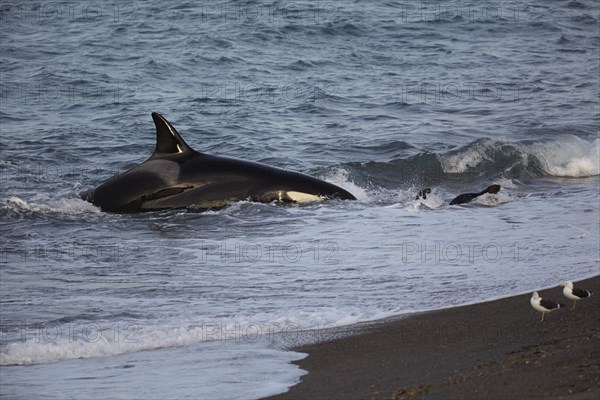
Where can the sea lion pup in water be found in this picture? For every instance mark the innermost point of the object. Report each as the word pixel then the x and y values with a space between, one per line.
pixel 423 194
pixel 467 197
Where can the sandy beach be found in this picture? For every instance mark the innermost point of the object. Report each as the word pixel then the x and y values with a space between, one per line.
pixel 494 350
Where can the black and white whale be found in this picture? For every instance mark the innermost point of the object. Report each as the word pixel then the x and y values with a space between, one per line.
pixel 176 176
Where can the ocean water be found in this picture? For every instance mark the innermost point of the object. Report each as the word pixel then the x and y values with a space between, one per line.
pixel 382 99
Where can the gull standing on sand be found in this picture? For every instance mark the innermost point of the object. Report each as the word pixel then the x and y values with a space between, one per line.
pixel 574 293
pixel 542 305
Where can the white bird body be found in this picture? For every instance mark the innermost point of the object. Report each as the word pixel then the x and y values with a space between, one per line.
pixel 573 293
pixel 543 306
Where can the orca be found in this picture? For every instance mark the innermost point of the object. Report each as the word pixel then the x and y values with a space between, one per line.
pixel 176 176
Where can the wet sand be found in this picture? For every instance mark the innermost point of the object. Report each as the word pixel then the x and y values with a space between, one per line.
pixel 493 350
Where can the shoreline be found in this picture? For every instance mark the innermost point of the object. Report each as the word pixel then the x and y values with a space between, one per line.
pixel 496 349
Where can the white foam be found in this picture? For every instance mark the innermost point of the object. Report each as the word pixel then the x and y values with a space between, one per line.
pixel 73 341
pixel 339 177
pixel 61 344
pixel 218 371
pixel 568 156
pixel 62 206
pixel 489 199
pixel 434 200
pixel 578 167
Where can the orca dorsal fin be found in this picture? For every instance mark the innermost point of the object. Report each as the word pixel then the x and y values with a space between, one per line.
pixel 168 140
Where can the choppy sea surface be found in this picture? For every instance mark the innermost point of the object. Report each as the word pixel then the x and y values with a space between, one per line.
pixel 382 99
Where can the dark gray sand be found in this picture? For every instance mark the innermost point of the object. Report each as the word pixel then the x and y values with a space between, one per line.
pixel 492 350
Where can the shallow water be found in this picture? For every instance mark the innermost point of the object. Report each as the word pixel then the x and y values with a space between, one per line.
pixel 380 99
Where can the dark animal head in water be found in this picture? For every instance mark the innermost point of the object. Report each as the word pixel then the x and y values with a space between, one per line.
pixel 423 193
pixel 493 189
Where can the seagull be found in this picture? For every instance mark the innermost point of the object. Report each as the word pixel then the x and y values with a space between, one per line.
pixel 574 293
pixel 542 305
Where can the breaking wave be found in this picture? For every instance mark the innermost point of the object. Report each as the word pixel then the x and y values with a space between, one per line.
pixel 566 156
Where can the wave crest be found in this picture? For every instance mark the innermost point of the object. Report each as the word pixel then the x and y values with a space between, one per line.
pixel 487 159
pixel 568 157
